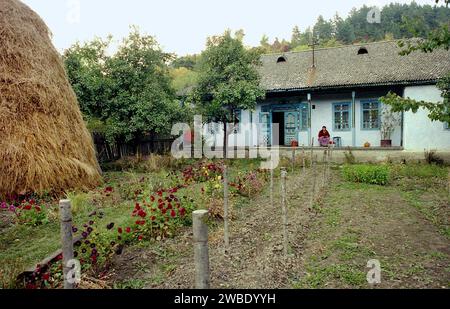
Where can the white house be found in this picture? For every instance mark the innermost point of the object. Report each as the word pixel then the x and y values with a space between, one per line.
pixel 341 91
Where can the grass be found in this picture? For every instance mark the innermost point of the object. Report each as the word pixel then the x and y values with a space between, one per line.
pixel 361 221
pixel 22 246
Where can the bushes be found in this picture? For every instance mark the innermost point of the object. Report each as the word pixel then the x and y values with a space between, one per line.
pixel 371 174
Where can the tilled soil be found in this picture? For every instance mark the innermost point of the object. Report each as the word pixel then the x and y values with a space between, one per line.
pixel 255 259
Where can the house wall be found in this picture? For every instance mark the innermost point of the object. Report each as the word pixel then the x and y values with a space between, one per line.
pixel 420 132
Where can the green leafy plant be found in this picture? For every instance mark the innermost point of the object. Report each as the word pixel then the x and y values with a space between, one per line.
pixel 370 174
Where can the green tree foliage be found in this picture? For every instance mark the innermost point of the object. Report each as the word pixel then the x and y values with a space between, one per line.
pixel 228 79
pixel 438 38
pixel 128 94
pixel 397 22
pixel 323 29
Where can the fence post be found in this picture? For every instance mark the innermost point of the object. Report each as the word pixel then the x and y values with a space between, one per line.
pixel 293 159
pixel 324 177
pixel 201 254
pixel 312 152
pixel 271 182
pixel 314 176
pixel 284 211
pixel 304 158
pixel 65 214
pixel 225 208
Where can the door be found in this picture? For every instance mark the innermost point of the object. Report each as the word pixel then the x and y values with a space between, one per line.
pixel 290 127
pixel 265 129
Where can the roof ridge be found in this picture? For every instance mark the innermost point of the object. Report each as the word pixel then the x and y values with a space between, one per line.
pixel 334 47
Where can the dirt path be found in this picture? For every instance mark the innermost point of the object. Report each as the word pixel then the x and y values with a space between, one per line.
pixel 256 256
pixel 329 247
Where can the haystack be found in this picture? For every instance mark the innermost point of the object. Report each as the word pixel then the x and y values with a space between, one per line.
pixel 44 143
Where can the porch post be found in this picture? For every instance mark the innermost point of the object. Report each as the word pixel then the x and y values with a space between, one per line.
pixel 310 118
pixel 354 118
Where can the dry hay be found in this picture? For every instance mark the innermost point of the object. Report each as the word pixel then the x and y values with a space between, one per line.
pixel 44 143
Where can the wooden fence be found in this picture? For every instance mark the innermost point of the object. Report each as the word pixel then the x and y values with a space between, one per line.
pixel 109 152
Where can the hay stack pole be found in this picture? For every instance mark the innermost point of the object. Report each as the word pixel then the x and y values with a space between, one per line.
pixel 44 143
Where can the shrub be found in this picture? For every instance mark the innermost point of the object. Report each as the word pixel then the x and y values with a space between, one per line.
pixel 431 157
pixel 349 156
pixel 371 174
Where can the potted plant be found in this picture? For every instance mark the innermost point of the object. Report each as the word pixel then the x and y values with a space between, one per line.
pixel 389 121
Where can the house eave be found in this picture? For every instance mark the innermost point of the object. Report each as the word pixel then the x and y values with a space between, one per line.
pixel 354 86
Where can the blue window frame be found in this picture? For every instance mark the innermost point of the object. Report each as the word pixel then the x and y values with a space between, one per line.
pixel 370 115
pixel 342 116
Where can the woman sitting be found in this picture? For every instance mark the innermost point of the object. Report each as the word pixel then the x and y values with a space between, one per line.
pixel 324 137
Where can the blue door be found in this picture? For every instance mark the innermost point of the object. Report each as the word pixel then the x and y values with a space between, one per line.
pixel 290 127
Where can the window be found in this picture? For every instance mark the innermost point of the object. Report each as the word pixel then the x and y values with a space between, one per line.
pixel 341 116
pixel 370 115
pixel 237 116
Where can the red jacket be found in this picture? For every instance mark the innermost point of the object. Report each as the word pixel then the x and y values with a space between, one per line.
pixel 322 134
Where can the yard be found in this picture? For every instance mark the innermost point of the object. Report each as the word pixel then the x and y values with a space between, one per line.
pixel 139 235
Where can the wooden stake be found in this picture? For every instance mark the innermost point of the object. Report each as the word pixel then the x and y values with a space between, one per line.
pixel 304 158
pixel 201 254
pixel 284 211
pixel 225 208
pixel 313 189
pixel 65 214
pixel 271 182
pixel 293 160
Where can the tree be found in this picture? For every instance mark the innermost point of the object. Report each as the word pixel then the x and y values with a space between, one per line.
pixel 344 30
pixel 130 92
pixel 296 38
pixel 439 38
pixel 323 29
pixel 228 80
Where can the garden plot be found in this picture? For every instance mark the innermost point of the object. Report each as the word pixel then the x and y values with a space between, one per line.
pixel 136 240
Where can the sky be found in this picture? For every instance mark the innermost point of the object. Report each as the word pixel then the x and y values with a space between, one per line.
pixel 182 26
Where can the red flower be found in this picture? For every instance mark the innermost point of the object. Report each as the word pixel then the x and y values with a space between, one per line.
pixel 152 198
pixel 138 207
pixel 173 214
pixel 160 206
pixel 38 209
pixel 109 189
pixel 169 206
pixel 120 230
pixel 182 212
pixel 142 214
pixel 28 207
pixel 140 237
pixel 160 193
pixel 128 230
pixel 164 211
pixel 45 277
pixel 153 218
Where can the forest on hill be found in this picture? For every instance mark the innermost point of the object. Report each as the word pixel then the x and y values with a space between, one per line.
pixel 398 21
